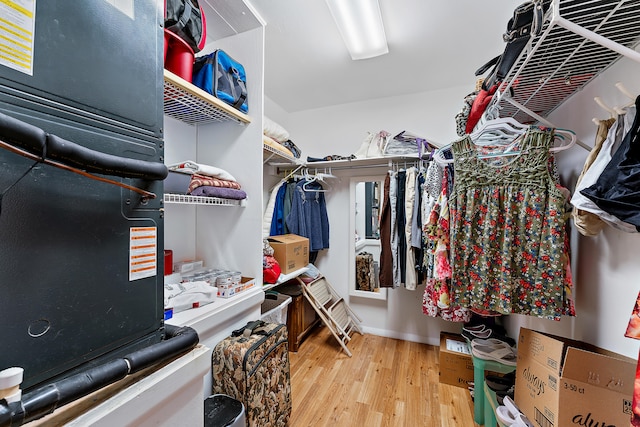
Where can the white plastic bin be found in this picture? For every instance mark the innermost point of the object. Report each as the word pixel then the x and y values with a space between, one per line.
pixel 274 307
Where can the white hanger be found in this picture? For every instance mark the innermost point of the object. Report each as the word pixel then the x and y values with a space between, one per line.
pixel 316 178
pixel 497 131
pixel 564 134
pixel 613 111
pixel 626 93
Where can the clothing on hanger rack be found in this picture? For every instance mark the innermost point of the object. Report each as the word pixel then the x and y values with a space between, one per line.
pixel 520 199
pixel 491 148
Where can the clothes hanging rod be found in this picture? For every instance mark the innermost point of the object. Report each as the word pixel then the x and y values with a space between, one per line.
pixel 388 164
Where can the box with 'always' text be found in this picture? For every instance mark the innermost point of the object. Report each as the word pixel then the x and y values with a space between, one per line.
pixel 564 383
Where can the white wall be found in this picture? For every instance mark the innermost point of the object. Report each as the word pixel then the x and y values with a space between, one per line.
pixel 605 267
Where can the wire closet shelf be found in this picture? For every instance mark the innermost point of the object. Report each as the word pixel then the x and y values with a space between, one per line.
pixel 190 104
pixel 201 200
pixel 579 40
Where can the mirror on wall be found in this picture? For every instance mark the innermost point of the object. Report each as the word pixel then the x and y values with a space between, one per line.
pixel 366 201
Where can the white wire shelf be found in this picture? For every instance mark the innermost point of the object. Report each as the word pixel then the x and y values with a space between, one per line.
pixel 271 154
pixel 190 104
pixel 186 199
pixel 579 40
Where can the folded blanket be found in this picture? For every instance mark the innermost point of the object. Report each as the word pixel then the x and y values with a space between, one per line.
pixel 274 130
pixel 198 180
pixel 223 193
pixel 189 166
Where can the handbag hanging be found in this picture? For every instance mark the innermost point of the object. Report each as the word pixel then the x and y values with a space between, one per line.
pixel 223 77
pixel 527 20
pixel 186 19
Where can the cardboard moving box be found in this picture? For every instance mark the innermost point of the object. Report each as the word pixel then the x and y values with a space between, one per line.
pixel 291 251
pixel 562 382
pixel 456 366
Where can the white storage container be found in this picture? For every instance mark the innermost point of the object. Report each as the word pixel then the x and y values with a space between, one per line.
pixel 274 307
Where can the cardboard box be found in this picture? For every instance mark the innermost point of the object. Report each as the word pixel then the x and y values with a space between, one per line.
pixel 456 366
pixel 187 266
pixel 291 251
pixel 234 289
pixel 562 382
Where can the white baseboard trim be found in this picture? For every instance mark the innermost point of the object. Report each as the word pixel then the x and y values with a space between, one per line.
pixel 402 336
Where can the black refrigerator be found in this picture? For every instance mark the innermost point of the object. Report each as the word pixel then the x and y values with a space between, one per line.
pixel 71 293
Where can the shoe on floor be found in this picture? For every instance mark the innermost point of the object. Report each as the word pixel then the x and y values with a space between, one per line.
pixel 498 353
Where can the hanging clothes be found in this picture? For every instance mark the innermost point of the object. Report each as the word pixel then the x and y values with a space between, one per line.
pixel 431 190
pixel 401 223
pixel 588 223
pixel 288 201
pixel 386 257
pixel 609 147
pixel 617 190
pixel 278 219
pixel 437 301
pixel 308 217
pixel 411 276
pixel 267 217
pixel 508 229
pixel 633 331
pixel 393 203
pixel 416 227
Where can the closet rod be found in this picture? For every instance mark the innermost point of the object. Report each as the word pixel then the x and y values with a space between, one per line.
pixel 541 119
pixel 412 162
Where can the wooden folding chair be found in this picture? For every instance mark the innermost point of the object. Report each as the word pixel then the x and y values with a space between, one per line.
pixel 341 320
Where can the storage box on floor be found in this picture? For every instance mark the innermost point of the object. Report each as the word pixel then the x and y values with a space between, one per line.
pixel 561 382
pixel 291 251
pixel 456 366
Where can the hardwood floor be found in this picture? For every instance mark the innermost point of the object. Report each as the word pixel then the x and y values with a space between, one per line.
pixel 387 382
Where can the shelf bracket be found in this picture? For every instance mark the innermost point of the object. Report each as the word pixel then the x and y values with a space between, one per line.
pixel 541 119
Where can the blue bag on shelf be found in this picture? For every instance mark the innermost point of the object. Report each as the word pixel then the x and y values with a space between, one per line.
pixel 223 77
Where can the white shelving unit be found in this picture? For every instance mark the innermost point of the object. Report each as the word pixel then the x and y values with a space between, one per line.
pixel 579 40
pixel 190 104
pixel 270 153
pixel 198 126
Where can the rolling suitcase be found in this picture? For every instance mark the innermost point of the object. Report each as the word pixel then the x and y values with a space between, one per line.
pixel 252 366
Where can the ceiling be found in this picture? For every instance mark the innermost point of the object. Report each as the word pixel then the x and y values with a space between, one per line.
pixel 432 45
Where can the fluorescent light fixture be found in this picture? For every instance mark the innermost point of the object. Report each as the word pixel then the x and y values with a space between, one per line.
pixel 360 24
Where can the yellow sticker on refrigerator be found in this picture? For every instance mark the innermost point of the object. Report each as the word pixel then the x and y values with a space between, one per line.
pixel 143 247
pixel 17 32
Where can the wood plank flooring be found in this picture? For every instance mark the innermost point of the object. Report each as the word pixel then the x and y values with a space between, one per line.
pixel 387 382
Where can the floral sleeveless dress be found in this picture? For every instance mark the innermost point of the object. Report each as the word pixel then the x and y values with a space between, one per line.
pixel 508 230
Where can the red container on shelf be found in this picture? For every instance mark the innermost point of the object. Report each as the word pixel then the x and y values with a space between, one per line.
pixel 179 56
pixel 168 262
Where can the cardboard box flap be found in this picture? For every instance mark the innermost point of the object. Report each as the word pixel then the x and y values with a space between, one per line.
pixel 287 238
pixel 541 348
pixel 600 370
